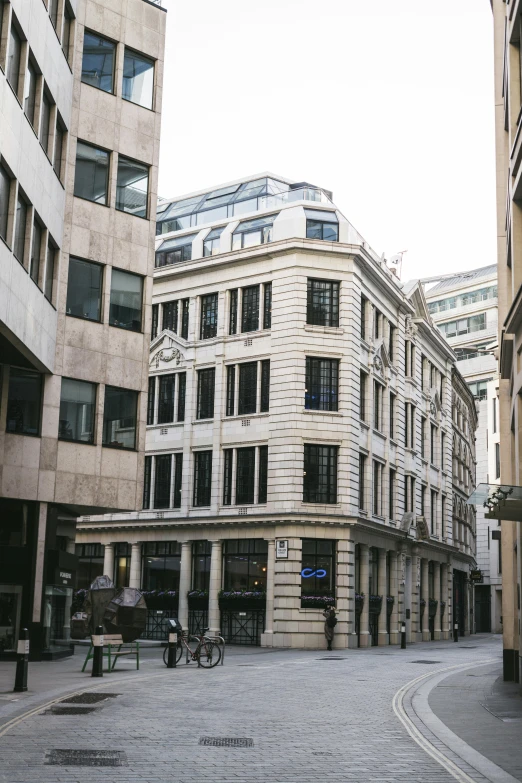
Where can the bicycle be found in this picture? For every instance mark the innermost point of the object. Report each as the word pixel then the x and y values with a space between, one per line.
pixel 206 654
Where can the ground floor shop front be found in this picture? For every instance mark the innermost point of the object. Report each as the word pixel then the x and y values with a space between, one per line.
pixel 269 584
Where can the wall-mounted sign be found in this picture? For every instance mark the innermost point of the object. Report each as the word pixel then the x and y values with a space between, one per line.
pixel 306 573
pixel 282 549
pixel 476 575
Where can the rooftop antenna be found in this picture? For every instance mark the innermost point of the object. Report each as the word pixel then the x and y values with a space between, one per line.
pixel 395 263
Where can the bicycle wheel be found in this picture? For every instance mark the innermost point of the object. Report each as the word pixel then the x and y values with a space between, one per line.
pixel 179 651
pixel 208 654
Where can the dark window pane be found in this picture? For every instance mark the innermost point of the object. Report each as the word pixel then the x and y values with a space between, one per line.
pixel 178 473
pixel 53 12
pixel 36 251
pixel 263 474
pixel 322 303
pixel 232 327
pixel 267 308
pixel 20 229
pixel 209 314
pixel 58 150
pixel 170 316
pixel 231 390
pixel 132 187
pixel 66 33
pixel 227 476
pixel 150 399
pixel 49 272
pixel 206 383
pixel 265 385
pixel 126 299
pixel 167 384
pixel 77 409
pixel 154 322
pixel 5 190
pixel 202 478
pixel 45 119
pixel 119 418
pixel 163 469
pixel 184 318
pixel 322 381
pixel 316 229
pixel 138 79
pixel 146 482
pixel 250 309
pixel 245 475
pixel 24 402
pixel 320 474
pixel 182 388
pixel 247 388
pixel 84 289
pixel 98 62
pixel 30 92
pixel 318 567
pixel 91 174
pixel 13 58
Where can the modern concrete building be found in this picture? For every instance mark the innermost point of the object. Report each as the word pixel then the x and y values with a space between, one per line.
pixel 80 103
pixel 508 119
pixel 464 306
pixel 302 411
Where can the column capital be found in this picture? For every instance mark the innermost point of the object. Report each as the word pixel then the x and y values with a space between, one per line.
pixel 187 543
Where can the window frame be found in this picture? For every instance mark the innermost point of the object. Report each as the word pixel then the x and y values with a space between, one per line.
pixel 108 153
pixel 146 58
pixel 119 187
pixel 331 453
pixel 88 31
pixel 94 386
pixel 110 318
pixel 101 289
pixel 334 288
pixel 113 445
pixel 327 371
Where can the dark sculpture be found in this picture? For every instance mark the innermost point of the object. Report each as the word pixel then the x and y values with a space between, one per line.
pixel 118 610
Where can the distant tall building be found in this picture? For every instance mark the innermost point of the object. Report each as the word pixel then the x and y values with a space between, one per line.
pixel 80 101
pixel 464 306
pixel 508 119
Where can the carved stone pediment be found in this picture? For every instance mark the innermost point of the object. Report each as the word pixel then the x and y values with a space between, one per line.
pixel 165 350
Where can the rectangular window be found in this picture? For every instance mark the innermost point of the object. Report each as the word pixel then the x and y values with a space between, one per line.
pixel 245 472
pixel 167 386
pixel 497 460
pixel 206 384
pixel 162 478
pixel 132 187
pixel 24 402
pixel 423 437
pixel 84 289
pixel 250 309
pixel 138 79
pixel 364 303
pixel 327 230
pixel 442 449
pixel 45 123
pixel 5 192
pixel 247 402
pixel 322 305
pixel 391 342
pixel 391 493
pixel 263 474
pixel 174 251
pixel 154 322
pixel 249 233
pixel 147 474
pixel 126 300
pixel 320 474
pixel 36 251
pixel 443 521
pixel 322 384
pixel 151 398
pixel 362 396
pixel 433 512
pixel 377 323
pixel 265 386
pixel 170 316
pixel 212 243
pixel 232 324
pixel 494 428
pixel 20 229
pixel 393 402
pixel 362 481
pixel 202 478
pixel 91 176
pixel 228 461
pixel 77 411
pixel 53 12
pixel 267 306
pixel 30 92
pixel 49 271
pixel 182 393
pixel 209 316
pixel 178 474
pixel 423 501
pixel 377 405
pixel 120 418
pixel 98 61
pixel 184 318
pixel 231 390
pixel 13 59
pixel 377 488
pixel 318 557
pixel 66 32
pixel 59 139
pixel 432 443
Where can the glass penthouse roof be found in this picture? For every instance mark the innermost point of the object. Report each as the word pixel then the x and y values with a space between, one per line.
pixel 233 201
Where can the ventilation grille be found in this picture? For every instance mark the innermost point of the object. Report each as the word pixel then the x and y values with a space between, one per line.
pixel 89 698
pixel 245 423
pixel 248 341
pixel 242 511
pixel 227 742
pixel 159 514
pixel 86 758
pixel 164 431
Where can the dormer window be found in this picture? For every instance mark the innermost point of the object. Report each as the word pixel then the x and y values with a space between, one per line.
pixel 253 232
pixel 322 225
pixel 174 251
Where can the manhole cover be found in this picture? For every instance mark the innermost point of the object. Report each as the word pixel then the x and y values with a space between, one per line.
pixel 86 758
pixel 56 710
pixel 89 698
pixel 227 742
pixel 428 662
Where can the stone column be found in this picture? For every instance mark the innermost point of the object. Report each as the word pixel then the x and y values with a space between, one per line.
pixel 436 582
pixel 415 626
pixel 185 575
pixel 382 590
pixel 343 593
pixel 350 553
pixel 394 590
pixel 365 640
pixel 135 566
pixel 216 571
pixel 426 596
pixel 70 548
pixel 267 637
pixel 108 560
pixel 444 591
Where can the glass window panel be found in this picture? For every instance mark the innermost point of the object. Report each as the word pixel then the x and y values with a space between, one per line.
pixel 176 224
pixel 77 409
pixel 247 402
pixel 209 315
pixel 119 418
pixel 263 474
pixel 132 187
pixel 91 174
pixel 53 12
pixel 98 61
pixel 138 79
pixel 58 149
pixel 20 229
pixel 36 251
pixel 172 244
pixel 243 207
pixel 320 474
pixel 206 385
pixel 45 120
pixel 245 472
pixel 210 215
pixel 66 33
pixel 202 478
pixel 322 303
pixel 5 191
pixel 30 92
pixel 167 385
pixel 126 300
pixel 84 289
pixel 49 272
pixel 162 480
pixel 24 402
pixel 250 309
pixel 13 58
pixel 252 238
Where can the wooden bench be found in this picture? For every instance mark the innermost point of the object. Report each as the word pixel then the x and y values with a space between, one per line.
pixel 112 650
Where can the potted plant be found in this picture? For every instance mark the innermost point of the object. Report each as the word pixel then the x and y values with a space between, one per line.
pixel 390 600
pixel 359 603
pixel 198 599
pixel 432 608
pixel 375 604
pixel 242 599
pixel 422 606
pixel 317 601
pixel 161 599
pixel 442 607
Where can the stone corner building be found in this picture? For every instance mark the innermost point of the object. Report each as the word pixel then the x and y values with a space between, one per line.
pixel 309 439
pixel 80 101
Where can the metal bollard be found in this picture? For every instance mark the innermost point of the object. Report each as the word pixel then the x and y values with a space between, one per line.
pixel 22 662
pixel 173 643
pixel 97 658
pixel 456 632
pixel 403 636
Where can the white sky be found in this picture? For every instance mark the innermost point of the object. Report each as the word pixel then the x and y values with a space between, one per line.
pixel 388 105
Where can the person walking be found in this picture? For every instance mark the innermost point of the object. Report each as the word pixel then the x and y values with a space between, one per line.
pixel 330 621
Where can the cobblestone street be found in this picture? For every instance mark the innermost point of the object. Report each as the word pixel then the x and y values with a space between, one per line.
pixel 310 716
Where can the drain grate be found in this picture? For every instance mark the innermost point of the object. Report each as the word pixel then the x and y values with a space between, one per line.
pixel 70 757
pixel 227 742
pixel 89 698
pixel 332 658
pixel 428 662
pixel 56 710
pixel 466 647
